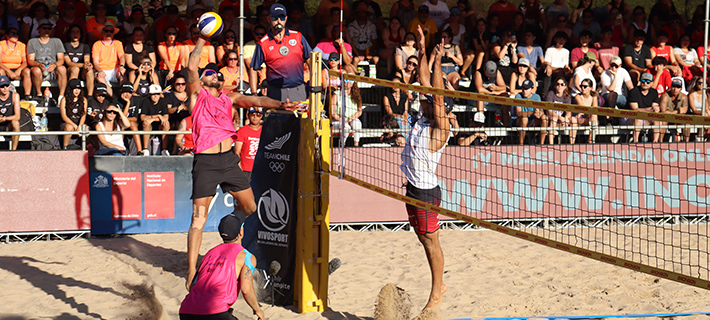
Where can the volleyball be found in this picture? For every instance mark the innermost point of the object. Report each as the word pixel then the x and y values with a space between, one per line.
pixel 210 24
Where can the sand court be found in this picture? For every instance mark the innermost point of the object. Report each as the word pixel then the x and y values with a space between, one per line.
pixel 488 275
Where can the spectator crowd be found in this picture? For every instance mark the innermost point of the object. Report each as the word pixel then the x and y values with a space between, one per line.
pixel 117 69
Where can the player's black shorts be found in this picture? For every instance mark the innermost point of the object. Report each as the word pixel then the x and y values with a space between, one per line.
pixel 212 169
pixel 227 315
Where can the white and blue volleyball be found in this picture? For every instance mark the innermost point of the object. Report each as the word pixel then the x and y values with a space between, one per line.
pixel 210 24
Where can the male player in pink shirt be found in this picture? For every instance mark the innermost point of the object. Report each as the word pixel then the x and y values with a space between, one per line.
pixel 214 162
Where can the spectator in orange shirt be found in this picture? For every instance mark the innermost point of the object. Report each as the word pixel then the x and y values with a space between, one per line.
pixel 95 24
pixel 108 57
pixel 13 58
pixel 232 75
pixel 206 56
pixel 169 52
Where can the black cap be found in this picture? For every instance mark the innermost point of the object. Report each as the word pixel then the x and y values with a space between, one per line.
pixel 334 55
pixel 230 225
pixel 101 89
pixel 127 87
pixel 423 9
pixel 210 66
pixel 74 84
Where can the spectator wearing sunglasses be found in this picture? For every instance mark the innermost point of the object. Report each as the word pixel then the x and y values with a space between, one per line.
pixel 9 110
pixel 207 55
pixel 248 140
pixel 233 75
pixel 45 55
pixel 108 57
pixel 31 23
pixel 643 98
pixel 135 50
pixel 131 105
pixel 113 120
pixel 229 43
pixel 613 81
pixel 284 62
pixel 13 60
pixel 169 52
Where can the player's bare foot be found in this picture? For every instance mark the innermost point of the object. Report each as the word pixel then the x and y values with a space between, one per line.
pixel 436 298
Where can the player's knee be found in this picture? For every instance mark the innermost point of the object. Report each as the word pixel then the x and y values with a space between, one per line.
pixel 249 208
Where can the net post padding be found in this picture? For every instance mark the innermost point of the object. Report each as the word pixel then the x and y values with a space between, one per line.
pixel 693 281
pixel 619 113
pixel 311 283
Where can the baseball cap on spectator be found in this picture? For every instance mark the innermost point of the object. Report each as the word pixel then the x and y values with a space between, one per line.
pixel 524 62
pixel 334 55
pixel 277 9
pixel 455 11
pixel 73 84
pixel 491 68
pixel 423 9
pixel 155 89
pixel 171 9
pixel 675 83
pixel 615 60
pixel 127 87
pixel 591 56
pixel 101 89
pixel 647 76
pixel 254 110
pixel 527 84
pixel 45 22
pixel 137 8
pixel 230 226
pixel 4 81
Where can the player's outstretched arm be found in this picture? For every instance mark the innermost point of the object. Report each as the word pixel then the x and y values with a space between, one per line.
pixel 244 101
pixel 424 73
pixel 440 132
pixel 193 74
pixel 246 278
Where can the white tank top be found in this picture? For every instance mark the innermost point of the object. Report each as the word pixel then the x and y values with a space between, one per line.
pixel 418 163
pixel 116 139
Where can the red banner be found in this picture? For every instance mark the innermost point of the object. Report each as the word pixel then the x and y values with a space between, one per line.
pixel 126 195
pixel 159 195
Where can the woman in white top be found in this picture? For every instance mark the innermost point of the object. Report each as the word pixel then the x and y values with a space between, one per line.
pixel 353 110
pixel 113 120
pixel 687 58
pixel 406 50
pixel 695 104
pixel 582 72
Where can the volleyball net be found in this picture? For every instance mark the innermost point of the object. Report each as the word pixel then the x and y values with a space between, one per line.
pixel 641 206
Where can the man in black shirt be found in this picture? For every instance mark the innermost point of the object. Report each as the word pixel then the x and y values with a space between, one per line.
pixel 643 98
pixel 637 56
pixel 154 115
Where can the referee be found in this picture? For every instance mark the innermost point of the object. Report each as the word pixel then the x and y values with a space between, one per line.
pixel 284 52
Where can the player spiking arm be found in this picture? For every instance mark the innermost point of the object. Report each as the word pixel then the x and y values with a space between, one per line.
pixel 238 100
pixel 440 128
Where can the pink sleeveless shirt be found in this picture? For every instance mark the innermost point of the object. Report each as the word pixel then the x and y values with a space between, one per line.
pixel 211 121
pixel 217 286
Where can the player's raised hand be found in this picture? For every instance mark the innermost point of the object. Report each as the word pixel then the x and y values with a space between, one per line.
pixel 294 106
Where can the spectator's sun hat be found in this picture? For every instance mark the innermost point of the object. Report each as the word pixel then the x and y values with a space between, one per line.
pixel 491 68
pixel 4 81
pixel 591 56
pixel 647 76
pixel 615 60
pixel 155 89
pixel 277 9
pixel 524 62
pixel 73 84
pixel 423 9
pixel 108 24
pixel 127 87
pixel 527 84
pixel 45 22
pixel 230 225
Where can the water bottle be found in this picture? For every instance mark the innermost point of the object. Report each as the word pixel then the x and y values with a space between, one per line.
pixel 43 122
pixel 47 96
pixel 155 146
pixel 373 70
